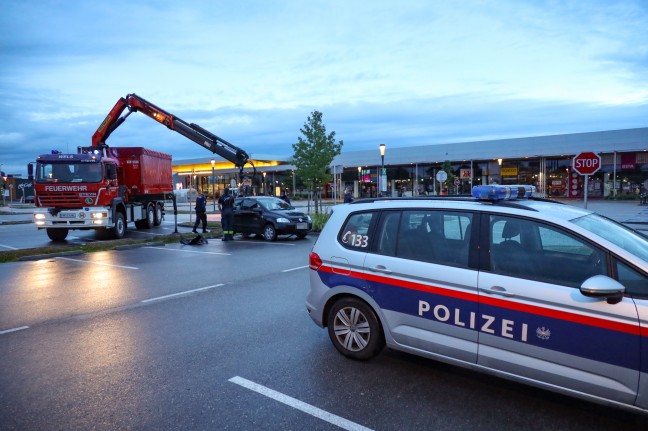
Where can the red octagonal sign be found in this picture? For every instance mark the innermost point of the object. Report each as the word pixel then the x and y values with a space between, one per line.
pixel 587 163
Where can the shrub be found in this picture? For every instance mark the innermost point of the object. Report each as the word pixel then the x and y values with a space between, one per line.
pixel 319 220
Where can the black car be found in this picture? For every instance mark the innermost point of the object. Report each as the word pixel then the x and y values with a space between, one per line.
pixel 269 216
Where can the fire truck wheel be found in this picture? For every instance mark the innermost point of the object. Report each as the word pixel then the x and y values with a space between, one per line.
pixel 57 234
pixel 158 215
pixel 120 226
pixel 150 217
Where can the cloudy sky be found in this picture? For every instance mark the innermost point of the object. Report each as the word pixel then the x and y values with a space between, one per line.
pixel 402 73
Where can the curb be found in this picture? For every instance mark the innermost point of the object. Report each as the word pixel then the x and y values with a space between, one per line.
pixel 49 255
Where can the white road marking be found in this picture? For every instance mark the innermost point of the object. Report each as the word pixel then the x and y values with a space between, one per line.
pixel 186 292
pixel 189 251
pixel 6 246
pixel 299 405
pixel 260 243
pixel 20 328
pixel 96 263
pixel 295 269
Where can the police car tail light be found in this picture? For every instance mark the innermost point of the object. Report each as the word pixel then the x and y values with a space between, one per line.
pixel 500 192
pixel 314 261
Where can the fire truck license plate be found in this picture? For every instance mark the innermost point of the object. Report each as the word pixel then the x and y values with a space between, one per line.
pixel 302 225
pixel 67 215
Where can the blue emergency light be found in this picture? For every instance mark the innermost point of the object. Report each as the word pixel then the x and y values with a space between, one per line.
pixel 498 192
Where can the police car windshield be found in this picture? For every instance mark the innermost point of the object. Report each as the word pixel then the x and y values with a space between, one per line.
pixel 615 233
pixel 275 204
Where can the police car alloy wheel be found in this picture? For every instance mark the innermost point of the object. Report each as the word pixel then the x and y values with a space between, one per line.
pixel 354 329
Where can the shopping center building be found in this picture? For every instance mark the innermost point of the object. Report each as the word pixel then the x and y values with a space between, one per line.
pixel 543 161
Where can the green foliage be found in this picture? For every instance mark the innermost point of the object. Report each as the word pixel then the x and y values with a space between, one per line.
pixel 319 220
pixel 314 152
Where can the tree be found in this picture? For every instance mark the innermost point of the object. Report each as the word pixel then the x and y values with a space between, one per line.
pixel 314 153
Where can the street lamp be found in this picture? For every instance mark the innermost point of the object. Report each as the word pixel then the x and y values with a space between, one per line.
pixel 213 162
pixel 383 182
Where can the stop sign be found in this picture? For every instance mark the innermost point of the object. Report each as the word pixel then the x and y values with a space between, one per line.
pixel 587 163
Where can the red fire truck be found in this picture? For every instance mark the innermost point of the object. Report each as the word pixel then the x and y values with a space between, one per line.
pixel 105 188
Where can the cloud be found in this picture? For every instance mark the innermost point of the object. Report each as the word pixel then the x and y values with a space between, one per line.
pixel 252 71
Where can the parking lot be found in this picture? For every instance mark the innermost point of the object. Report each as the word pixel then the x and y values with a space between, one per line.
pixel 217 337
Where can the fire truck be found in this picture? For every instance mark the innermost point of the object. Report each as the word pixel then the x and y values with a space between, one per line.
pixel 105 188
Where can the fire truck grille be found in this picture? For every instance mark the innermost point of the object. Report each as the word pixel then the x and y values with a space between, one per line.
pixel 59 200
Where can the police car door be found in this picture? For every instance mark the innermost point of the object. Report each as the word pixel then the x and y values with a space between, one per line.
pixel 535 323
pixel 426 291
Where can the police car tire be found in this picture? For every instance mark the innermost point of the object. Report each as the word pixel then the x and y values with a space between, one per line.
pixel 344 318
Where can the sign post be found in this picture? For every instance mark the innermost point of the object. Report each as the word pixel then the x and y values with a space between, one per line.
pixel 441 177
pixel 586 164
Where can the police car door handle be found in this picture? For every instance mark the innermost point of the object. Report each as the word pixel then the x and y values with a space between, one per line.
pixel 380 268
pixel 497 290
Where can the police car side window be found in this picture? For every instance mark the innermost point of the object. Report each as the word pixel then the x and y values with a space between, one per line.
pixel 435 236
pixel 387 233
pixel 532 250
pixel 355 233
pixel 636 283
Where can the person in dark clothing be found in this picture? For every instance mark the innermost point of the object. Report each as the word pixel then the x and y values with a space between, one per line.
pixel 201 212
pixel 348 196
pixel 226 207
pixel 285 197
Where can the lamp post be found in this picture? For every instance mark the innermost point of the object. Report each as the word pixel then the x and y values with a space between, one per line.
pixel 360 181
pixel 382 182
pixel 213 162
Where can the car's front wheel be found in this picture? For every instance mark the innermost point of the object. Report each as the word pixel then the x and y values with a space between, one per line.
pixel 354 329
pixel 269 233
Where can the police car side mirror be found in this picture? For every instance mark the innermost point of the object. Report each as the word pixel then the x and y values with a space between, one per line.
pixel 602 286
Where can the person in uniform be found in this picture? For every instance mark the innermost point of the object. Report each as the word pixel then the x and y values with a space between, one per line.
pixel 201 212
pixel 226 207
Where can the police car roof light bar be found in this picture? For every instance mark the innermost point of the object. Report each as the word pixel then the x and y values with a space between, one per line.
pixel 498 192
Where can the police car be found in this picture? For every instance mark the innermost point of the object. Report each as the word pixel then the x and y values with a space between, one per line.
pixel 526 288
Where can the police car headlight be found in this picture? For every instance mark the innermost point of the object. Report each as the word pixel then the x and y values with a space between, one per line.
pixel 283 220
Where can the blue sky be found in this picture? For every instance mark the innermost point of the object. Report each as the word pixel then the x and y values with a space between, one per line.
pixel 251 71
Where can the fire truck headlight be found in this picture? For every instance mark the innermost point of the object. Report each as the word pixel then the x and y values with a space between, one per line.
pixel 39 216
pixel 99 221
pixel 99 215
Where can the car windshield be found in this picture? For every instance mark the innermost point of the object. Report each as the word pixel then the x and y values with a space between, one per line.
pixel 275 204
pixel 616 233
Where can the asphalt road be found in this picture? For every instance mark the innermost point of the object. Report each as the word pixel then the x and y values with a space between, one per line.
pixel 217 337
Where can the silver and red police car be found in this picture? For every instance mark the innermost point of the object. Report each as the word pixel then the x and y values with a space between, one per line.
pixel 529 289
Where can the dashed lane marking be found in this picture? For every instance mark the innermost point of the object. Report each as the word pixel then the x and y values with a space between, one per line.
pixel 295 269
pixel 96 263
pixel 189 251
pixel 186 292
pixel 299 405
pixel 7 331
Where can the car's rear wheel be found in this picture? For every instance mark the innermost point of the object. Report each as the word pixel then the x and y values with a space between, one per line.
pixel 354 329
pixel 157 216
pixel 269 233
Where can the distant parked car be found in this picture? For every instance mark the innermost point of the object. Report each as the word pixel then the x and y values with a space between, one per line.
pixel 269 216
